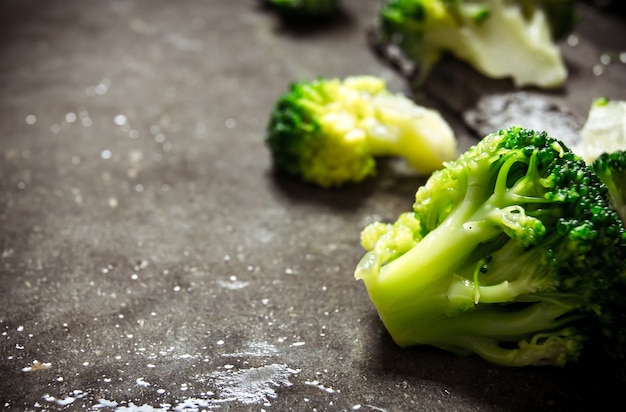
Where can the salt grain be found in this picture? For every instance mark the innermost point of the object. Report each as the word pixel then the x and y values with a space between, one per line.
pixel 141 382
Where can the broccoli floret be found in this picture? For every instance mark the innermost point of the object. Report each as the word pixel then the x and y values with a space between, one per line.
pixel 513 252
pixel 306 8
pixel 604 130
pixel 328 132
pixel 611 168
pixel 500 38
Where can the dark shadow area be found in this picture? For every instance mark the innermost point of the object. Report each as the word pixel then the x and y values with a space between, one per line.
pixel 302 25
pixel 609 7
pixel 597 25
pixel 594 383
pixel 388 180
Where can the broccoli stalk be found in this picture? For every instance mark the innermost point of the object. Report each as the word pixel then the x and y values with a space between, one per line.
pixel 513 250
pixel 499 38
pixel 328 132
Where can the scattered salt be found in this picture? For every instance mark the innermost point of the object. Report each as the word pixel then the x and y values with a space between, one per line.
pixel 141 382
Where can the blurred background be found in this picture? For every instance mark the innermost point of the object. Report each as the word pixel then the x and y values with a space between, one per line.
pixel 149 256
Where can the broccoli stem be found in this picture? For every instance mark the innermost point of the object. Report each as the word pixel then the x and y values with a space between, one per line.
pixel 513 273
pixel 482 330
pixel 424 258
pixel 499 322
pixel 414 287
pixel 554 348
pixel 417 134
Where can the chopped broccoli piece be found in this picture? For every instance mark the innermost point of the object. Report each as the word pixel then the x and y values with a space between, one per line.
pixel 328 132
pixel 306 8
pixel 512 252
pixel 500 38
pixel 611 167
pixel 604 130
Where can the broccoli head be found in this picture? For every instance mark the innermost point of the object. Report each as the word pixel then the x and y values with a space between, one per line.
pixel 328 131
pixel 500 38
pixel 512 252
pixel 611 168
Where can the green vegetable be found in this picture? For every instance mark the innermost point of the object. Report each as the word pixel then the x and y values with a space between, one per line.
pixel 306 8
pixel 328 132
pixel 604 130
pixel 499 38
pixel 512 252
pixel 611 167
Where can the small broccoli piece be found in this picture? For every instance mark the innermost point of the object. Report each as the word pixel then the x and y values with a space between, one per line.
pixel 604 130
pixel 306 8
pixel 611 168
pixel 512 252
pixel 500 38
pixel 328 132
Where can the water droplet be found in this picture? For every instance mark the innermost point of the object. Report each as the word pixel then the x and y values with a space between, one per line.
pixel 230 123
pixel 102 87
pixel 70 117
pixel 598 70
pixel 31 119
pixel 120 120
pixel 573 40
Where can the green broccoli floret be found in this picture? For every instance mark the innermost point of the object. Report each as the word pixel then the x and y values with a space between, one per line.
pixel 512 252
pixel 328 132
pixel 611 168
pixel 500 38
pixel 306 8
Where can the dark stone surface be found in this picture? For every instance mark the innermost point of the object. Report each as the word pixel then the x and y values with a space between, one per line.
pixel 149 257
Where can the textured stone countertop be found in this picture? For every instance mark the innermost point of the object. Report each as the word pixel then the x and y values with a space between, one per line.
pixel 150 258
